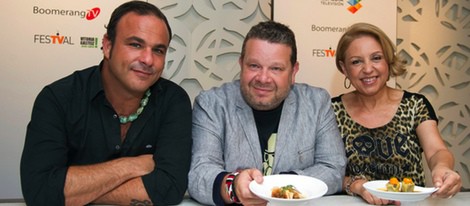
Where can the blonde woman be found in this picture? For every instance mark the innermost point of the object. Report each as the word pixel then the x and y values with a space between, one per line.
pixel 386 130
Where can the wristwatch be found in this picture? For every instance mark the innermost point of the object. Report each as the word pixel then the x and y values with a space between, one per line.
pixel 350 181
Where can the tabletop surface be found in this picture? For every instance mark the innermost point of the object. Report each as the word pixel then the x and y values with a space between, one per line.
pixel 462 198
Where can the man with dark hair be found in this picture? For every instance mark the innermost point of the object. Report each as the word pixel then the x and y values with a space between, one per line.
pixel 116 133
pixel 263 124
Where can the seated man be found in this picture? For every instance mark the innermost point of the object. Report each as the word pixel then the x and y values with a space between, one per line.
pixel 263 124
pixel 115 133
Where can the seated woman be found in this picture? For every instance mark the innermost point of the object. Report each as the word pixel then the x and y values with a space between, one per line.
pixel 385 130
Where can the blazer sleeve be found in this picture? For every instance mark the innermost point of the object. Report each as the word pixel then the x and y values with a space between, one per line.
pixel 207 153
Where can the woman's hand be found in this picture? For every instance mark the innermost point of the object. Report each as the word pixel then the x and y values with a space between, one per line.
pixel 447 180
pixel 358 188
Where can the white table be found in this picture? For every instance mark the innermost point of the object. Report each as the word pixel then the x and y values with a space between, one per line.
pixel 462 198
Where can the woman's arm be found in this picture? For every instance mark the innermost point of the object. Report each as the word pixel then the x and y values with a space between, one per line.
pixel 440 160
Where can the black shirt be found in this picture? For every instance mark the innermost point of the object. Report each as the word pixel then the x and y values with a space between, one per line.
pixel 72 123
pixel 267 123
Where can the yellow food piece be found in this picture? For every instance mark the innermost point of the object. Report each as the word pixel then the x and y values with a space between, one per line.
pixel 286 192
pixel 394 185
pixel 407 185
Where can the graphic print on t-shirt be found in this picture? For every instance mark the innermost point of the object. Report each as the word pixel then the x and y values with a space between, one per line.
pixel 268 155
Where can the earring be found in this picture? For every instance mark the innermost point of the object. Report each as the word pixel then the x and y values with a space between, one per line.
pixel 345 84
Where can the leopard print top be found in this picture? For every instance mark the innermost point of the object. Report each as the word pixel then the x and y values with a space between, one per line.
pixel 392 150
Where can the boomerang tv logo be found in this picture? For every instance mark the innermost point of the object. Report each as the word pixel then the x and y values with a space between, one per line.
pixel 355 6
pixel 89 14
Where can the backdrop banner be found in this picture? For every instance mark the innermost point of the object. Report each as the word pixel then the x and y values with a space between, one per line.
pixel 318 25
pixel 42 41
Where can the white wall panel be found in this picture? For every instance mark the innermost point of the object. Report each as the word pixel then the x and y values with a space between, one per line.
pixel 434 37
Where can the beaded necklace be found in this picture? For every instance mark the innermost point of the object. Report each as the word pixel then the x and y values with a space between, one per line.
pixel 132 117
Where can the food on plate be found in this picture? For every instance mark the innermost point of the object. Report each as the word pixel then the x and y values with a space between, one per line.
pixel 286 192
pixel 407 185
pixel 393 185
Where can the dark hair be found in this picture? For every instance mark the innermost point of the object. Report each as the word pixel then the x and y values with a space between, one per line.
pixel 139 7
pixel 273 32
pixel 396 64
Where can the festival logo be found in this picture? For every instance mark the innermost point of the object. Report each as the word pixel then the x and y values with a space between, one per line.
pixel 332 2
pixel 355 5
pixel 89 42
pixel 53 39
pixel 325 53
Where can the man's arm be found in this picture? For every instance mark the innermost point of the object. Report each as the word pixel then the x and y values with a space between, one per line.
pixel 132 192
pixel 104 182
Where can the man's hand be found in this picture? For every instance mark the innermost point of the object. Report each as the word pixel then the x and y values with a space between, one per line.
pixel 242 190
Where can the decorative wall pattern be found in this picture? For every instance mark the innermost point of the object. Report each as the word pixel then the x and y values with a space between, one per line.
pixel 208 36
pixel 434 38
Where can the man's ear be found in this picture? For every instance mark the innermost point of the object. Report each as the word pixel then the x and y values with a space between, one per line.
pixel 107 46
pixel 295 69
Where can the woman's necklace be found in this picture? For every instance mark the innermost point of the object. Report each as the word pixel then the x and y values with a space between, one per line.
pixel 132 117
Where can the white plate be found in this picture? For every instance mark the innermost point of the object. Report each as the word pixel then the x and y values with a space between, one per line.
pixel 377 188
pixel 310 187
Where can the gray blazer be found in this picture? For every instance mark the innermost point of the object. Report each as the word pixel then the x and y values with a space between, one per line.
pixel 225 138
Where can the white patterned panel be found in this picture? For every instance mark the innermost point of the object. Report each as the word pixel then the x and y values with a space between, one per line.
pixel 434 37
pixel 208 36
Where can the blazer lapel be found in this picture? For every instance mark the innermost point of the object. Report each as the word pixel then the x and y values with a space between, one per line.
pixel 285 131
pixel 245 117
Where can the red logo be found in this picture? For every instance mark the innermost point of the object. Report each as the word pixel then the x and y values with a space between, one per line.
pixel 93 13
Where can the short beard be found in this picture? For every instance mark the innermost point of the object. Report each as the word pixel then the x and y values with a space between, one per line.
pixel 250 100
